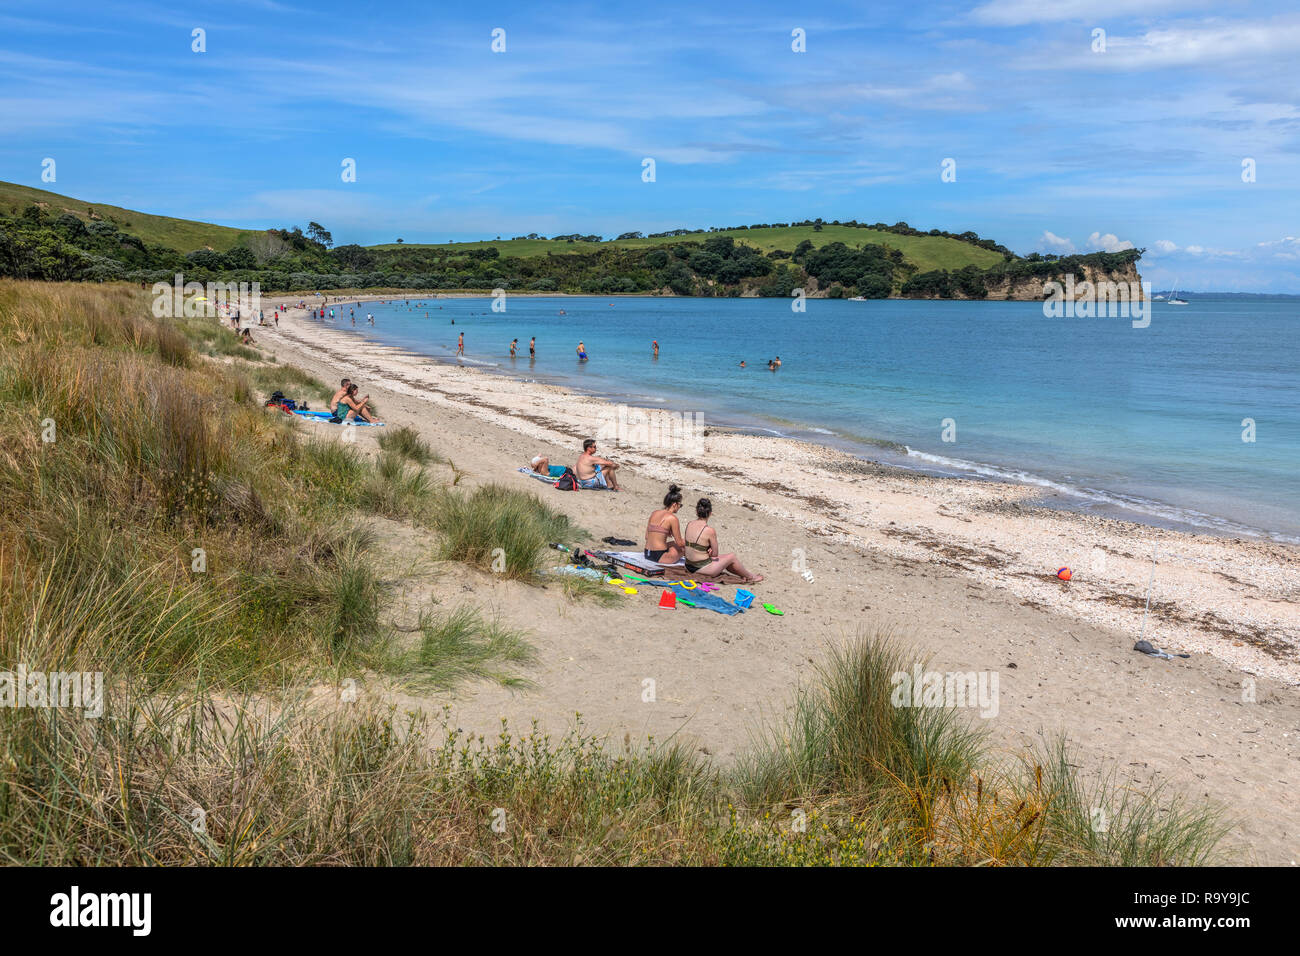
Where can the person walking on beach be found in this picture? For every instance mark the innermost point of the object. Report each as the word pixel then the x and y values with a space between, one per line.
pixel 532 347
pixel 460 344
pixel 582 352
pixel 514 347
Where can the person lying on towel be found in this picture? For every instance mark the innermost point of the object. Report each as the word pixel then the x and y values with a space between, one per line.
pixel 594 471
pixel 542 466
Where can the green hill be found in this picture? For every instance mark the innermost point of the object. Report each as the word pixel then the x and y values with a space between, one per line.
pixel 183 235
pixel 924 252
pixel 44 235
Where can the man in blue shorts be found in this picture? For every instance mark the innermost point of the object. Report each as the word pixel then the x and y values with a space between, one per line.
pixel 593 471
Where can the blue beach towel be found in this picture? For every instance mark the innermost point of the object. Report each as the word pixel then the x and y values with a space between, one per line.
pixel 699 598
pixel 327 417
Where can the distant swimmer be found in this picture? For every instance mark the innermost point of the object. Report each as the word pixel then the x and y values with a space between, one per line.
pixel 582 352
pixel 460 344
pixel 777 361
pixel 532 347
pixel 742 363
pixel 656 345
pixel 562 312
pixel 514 346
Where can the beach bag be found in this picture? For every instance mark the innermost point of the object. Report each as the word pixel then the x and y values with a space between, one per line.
pixel 567 481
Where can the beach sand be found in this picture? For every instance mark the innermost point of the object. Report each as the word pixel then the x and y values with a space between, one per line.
pixel 961 571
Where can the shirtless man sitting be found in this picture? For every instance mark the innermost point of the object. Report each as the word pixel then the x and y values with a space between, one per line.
pixel 594 471
pixel 338 395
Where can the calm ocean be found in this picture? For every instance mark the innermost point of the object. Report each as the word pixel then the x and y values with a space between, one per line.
pixel 1145 424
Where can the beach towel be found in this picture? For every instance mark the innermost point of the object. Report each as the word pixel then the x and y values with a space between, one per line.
pixel 327 418
pixel 698 598
pixel 549 479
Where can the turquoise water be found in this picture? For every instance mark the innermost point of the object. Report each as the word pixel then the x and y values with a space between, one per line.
pixel 1140 423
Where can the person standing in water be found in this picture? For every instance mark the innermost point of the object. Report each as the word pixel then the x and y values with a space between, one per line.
pixel 656 347
pixel 582 352
pixel 460 344
pixel 514 346
pixel 532 347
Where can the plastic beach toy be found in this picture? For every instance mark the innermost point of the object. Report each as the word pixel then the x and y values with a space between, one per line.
pixel 668 599
pixel 744 598
pixel 773 610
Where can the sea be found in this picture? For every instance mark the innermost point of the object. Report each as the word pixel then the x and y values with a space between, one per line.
pixel 1190 422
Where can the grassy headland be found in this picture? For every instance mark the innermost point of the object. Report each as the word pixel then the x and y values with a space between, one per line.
pixel 46 236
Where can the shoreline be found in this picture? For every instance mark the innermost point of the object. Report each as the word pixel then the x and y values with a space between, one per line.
pixel 883 452
pixel 1234 598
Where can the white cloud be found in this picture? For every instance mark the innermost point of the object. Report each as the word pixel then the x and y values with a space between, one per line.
pixel 1109 242
pixel 1011 13
pixel 1195 250
pixel 1051 242
pixel 1164 246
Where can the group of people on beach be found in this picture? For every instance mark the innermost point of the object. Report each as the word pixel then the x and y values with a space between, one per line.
pixel 347 406
pixel 666 541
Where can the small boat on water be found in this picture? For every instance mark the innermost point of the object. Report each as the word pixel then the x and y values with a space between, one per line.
pixel 1173 297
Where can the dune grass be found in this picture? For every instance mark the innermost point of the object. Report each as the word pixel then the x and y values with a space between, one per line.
pixel 158 522
pixel 462 644
pixel 497 528
pixel 406 442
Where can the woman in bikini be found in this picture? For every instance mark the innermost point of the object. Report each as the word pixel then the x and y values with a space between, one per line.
pixel 663 534
pixel 701 551
pixel 350 406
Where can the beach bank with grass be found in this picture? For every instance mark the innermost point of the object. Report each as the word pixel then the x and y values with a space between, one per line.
pixel 305 641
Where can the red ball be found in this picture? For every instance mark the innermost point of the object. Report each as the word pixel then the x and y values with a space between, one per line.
pixel 1064 574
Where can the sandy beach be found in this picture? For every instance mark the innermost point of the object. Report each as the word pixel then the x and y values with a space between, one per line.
pixel 961 570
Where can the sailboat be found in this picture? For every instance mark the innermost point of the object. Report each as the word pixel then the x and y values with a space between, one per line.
pixel 1173 296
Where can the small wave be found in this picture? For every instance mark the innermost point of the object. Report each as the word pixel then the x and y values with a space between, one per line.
pixel 1132 503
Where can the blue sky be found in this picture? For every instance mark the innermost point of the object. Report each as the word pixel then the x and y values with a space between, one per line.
pixel 1058 146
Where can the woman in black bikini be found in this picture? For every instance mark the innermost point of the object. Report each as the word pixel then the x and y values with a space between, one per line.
pixel 663 534
pixel 701 550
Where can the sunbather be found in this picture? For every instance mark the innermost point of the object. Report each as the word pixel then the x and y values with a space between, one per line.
pixel 702 552
pixel 594 471
pixel 663 534
pixel 541 465
pixel 351 407
pixel 339 393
